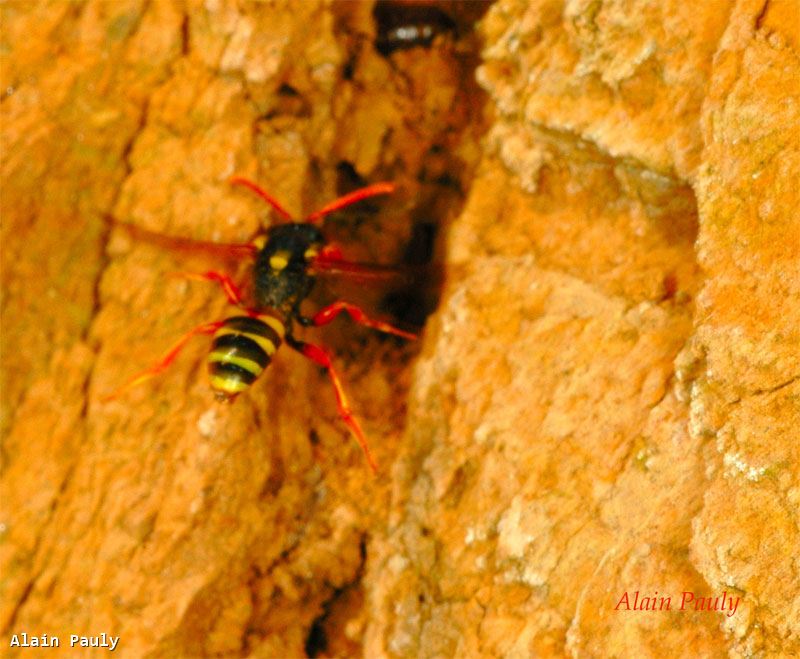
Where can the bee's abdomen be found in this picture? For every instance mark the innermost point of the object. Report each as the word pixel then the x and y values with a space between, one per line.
pixel 242 348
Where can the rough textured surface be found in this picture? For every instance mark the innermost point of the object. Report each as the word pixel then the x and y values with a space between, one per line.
pixel 606 400
pixel 581 427
pixel 184 527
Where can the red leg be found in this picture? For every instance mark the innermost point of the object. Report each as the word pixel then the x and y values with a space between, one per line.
pixel 238 180
pixel 355 196
pixel 326 315
pixel 231 289
pixel 330 252
pixel 164 363
pixel 321 357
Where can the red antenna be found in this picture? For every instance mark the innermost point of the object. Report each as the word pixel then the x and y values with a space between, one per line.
pixel 238 180
pixel 351 198
pixel 357 195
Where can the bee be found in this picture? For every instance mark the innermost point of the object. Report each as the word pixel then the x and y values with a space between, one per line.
pixel 404 25
pixel 287 259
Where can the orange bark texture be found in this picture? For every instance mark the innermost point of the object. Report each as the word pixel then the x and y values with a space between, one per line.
pixel 605 400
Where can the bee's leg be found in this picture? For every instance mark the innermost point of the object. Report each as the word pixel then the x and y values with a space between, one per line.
pixel 320 356
pixel 232 291
pixel 166 361
pixel 327 314
pixel 331 252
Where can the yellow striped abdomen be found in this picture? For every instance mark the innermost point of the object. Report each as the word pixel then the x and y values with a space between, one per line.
pixel 242 348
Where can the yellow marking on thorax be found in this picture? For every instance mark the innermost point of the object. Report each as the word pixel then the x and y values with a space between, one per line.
pixel 279 260
pixel 310 253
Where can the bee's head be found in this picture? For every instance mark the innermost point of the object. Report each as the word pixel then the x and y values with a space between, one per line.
pixel 291 246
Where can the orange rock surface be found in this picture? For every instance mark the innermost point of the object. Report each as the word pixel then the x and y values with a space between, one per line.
pixel 603 407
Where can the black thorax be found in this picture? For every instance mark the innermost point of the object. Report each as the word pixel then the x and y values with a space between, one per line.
pixel 282 279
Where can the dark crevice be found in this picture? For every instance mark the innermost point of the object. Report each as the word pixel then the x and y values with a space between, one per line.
pixel 446 30
pixel 185 35
pixel 347 178
pixel 761 15
pixel 325 630
pixel 777 387
pixel 12 618
pixel 317 641
pixel 103 240
pixel 288 102
pixel 412 303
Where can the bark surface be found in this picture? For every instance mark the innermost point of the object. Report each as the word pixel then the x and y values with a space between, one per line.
pixel 605 401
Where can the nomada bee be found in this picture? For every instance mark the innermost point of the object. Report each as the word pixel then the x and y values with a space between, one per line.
pixel 287 259
pixel 409 24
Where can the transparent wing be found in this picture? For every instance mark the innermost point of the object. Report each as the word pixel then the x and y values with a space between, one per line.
pixel 404 294
pixel 189 246
pixel 229 264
